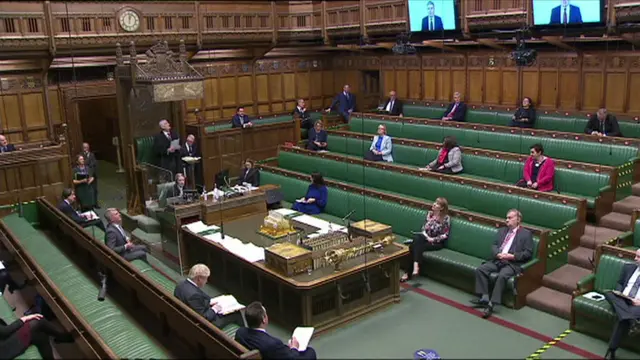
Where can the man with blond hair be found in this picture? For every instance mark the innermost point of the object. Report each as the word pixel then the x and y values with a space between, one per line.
pixel 190 292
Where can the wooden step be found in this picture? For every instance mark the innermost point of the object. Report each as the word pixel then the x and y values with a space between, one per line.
pixel 617 221
pixel 582 257
pixel 550 301
pixel 565 278
pixel 597 235
pixel 627 205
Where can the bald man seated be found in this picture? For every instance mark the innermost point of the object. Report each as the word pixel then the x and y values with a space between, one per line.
pixel 393 105
pixel 5 147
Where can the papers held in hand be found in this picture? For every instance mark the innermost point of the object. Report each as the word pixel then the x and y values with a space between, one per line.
pixel 226 304
pixel 175 144
pixel 89 215
pixel 303 335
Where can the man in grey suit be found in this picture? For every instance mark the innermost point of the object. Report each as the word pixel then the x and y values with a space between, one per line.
pixel 513 247
pixel 117 240
pixel 626 304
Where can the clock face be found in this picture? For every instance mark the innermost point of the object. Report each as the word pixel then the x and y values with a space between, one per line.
pixel 129 20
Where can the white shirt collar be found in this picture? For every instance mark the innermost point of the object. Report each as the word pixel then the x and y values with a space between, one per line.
pixel 191 281
pixel 260 329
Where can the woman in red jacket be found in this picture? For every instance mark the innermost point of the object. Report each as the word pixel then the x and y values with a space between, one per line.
pixel 539 171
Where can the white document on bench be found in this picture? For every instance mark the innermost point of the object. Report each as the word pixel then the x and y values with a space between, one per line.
pixel 196 227
pixel 226 304
pixel 303 335
pixel 89 215
pixel 596 296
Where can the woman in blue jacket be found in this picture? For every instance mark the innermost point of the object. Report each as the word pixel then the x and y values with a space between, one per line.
pixel 316 198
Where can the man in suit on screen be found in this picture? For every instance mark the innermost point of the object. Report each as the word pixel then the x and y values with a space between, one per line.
pixel 432 22
pixel 566 13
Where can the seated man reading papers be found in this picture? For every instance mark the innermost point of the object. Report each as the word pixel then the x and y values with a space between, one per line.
pixel 220 311
pixel 86 219
pixel 270 347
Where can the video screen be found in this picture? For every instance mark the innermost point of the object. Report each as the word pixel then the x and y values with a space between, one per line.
pixel 432 15
pixel 567 12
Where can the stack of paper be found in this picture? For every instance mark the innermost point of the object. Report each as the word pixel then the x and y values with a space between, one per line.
pixel 252 253
pixel 285 212
pixel 226 304
pixel 89 215
pixel 248 251
pixel 303 335
pixel 196 227
pixel 312 221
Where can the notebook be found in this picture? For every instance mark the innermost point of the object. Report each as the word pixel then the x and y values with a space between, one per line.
pixel 226 304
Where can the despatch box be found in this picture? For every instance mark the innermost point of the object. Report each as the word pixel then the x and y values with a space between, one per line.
pixel 370 229
pixel 288 259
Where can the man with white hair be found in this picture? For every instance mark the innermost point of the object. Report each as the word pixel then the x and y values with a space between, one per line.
pixel 603 124
pixel 5 146
pixel 457 110
pixel 190 292
pixel 117 240
pixel 190 149
pixel 166 149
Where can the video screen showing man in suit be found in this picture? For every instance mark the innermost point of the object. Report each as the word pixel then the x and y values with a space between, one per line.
pixel 393 105
pixel 346 102
pixel 565 13
pixel 240 119
pixel 432 22
pixel 117 240
pixel 166 148
pixel 5 147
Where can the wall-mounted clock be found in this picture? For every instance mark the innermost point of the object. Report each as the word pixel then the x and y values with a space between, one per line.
pixel 129 20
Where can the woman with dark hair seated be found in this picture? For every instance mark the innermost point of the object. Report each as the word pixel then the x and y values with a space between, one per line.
pixel 435 233
pixel 315 200
pixel 525 116
pixel 29 330
pixel 539 171
pixel 449 160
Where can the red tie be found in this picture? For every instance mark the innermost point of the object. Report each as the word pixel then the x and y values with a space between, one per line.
pixel 453 111
pixel 507 239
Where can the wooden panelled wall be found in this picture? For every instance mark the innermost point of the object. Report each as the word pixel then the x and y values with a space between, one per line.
pixel 267 87
pixel 24 114
pixel 560 81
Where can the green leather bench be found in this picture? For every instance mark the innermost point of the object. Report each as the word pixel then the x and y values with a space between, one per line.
pixel 581 184
pixel 536 212
pixel 631 239
pixel 156 276
pixel 8 315
pixel 468 245
pixel 144 150
pixel 583 151
pixel 119 332
pixel 552 122
pixel 597 317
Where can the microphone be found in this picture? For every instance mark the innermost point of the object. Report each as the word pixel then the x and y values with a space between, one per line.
pixel 103 286
pixel 348 223
pixel 348 215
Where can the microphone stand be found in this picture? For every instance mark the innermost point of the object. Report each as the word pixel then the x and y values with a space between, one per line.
pixel 347 219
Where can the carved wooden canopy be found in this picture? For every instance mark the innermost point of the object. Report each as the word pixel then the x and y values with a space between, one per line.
pixel 169 75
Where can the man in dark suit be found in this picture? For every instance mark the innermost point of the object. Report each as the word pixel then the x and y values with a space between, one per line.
pixel 565 14
pixel 189 291
pixel 256 337
pixel 92 163
pixel 305 117
pixel 117 240
pixel 457 110
pixel 249 174
pixel 393 105
pixel 168 154
pixel 190 149
pixel 66 206
pixel 5 146
pixel 179 184
pixel 431 22
pixel 346 102
pixel 513 248
pixel 603 124
pixel 240 120
pixel 626 304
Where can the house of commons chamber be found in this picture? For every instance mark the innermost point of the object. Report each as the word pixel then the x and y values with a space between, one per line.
pixel 347 179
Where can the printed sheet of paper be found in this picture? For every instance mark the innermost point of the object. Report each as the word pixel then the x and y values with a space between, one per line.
pixel 303 335
pixel 227 304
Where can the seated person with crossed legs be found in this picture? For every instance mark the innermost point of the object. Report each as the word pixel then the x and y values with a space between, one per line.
pixel 190 292
pixel 435 233
pixel 270 347
pixel 118 241
pixel 66 206
pixel 512 248
pixel 625 300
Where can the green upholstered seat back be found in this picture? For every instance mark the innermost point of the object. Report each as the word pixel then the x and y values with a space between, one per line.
pixel 420 111
pixel 144 150
pixel 608 272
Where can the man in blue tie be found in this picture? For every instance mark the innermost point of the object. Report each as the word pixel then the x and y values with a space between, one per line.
pixel 432 22
pixel 625 300
pixel 565 14
pixel 346 102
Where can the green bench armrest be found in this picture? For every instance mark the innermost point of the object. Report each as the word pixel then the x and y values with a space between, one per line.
pixel 582 283
pixel 529 264
pixel 604 189
pixel 570 223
